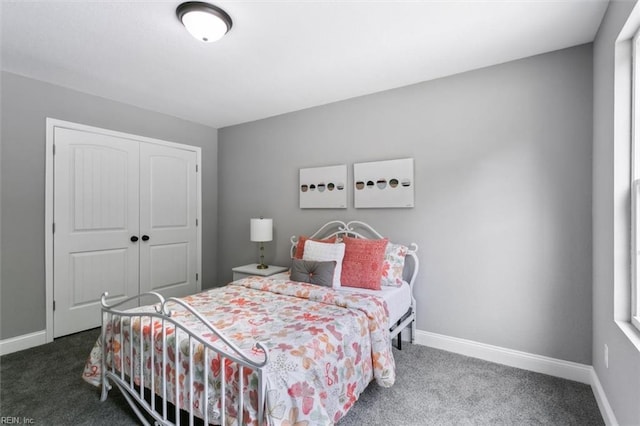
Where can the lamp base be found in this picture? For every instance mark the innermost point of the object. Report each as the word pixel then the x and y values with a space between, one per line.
pixel 261 265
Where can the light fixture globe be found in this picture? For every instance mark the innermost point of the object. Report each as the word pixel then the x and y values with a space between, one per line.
pixel 204 21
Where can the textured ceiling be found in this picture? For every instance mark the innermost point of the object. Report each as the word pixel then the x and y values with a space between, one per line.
pixel 280 56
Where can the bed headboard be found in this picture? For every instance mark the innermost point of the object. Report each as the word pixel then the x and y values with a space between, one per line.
pixel 357 229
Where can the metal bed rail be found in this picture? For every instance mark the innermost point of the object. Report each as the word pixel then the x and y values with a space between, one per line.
pixel 123 376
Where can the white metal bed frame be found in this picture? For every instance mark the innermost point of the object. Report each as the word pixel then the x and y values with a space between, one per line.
pixel 136 395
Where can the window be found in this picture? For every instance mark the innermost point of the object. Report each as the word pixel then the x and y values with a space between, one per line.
pixel 635 184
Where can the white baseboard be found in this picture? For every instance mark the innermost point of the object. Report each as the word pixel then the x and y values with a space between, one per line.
pixel 540 364
pixel 603 403
pixel 26 341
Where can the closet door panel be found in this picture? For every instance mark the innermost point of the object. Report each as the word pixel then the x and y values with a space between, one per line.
pixel 95 214
pixel 168 213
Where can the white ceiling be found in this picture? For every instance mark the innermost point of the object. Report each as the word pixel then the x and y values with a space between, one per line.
pixel 280 56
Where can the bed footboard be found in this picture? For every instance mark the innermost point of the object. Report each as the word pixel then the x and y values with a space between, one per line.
pixel 144 351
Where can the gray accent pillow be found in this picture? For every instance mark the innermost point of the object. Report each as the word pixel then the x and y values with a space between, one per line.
pixel 313 272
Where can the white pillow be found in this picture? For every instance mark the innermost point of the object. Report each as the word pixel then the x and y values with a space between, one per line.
pixel 323 252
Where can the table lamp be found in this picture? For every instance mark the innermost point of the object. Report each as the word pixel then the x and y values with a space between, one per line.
pixel 261 232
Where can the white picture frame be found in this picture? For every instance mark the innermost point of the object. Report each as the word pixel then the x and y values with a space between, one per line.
pixel 323 187
pixel 384 184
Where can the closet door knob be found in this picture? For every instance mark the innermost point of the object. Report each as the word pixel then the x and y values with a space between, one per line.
pixel 145 238
pixel 134 239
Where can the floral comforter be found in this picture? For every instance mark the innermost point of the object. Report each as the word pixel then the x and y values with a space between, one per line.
pixel 324 349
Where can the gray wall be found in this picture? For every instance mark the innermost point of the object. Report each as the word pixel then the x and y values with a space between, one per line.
pixel 503 194
pixel 25 105
pixel 621 381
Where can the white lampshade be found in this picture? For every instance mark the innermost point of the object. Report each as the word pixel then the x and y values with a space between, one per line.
pixel 261 230
pixel 204 21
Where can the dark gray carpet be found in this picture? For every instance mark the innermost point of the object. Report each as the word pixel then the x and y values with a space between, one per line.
pixel 433 388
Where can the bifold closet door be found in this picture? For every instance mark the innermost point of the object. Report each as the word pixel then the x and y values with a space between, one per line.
pixel 168 214
pixel 125 216
pixel 96 212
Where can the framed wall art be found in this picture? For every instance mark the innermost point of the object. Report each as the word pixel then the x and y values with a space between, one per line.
pixel 383 184
pixel 323 187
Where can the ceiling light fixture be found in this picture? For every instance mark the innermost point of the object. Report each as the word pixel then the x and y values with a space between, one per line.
pixel 204 21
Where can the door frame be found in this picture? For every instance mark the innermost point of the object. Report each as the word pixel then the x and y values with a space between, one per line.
pixel 51 125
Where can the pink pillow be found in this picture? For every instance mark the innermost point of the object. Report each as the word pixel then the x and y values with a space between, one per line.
pixel 299 254
pixel 362 263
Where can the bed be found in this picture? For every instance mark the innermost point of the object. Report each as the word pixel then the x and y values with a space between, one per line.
pixel 262 350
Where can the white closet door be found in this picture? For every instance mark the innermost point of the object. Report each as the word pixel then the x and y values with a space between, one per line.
pixel 96 212
pixel 168 213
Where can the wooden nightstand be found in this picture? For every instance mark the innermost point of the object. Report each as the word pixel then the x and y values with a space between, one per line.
pixel 252 269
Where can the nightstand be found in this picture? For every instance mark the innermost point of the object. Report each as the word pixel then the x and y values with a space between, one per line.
pixel 252 269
